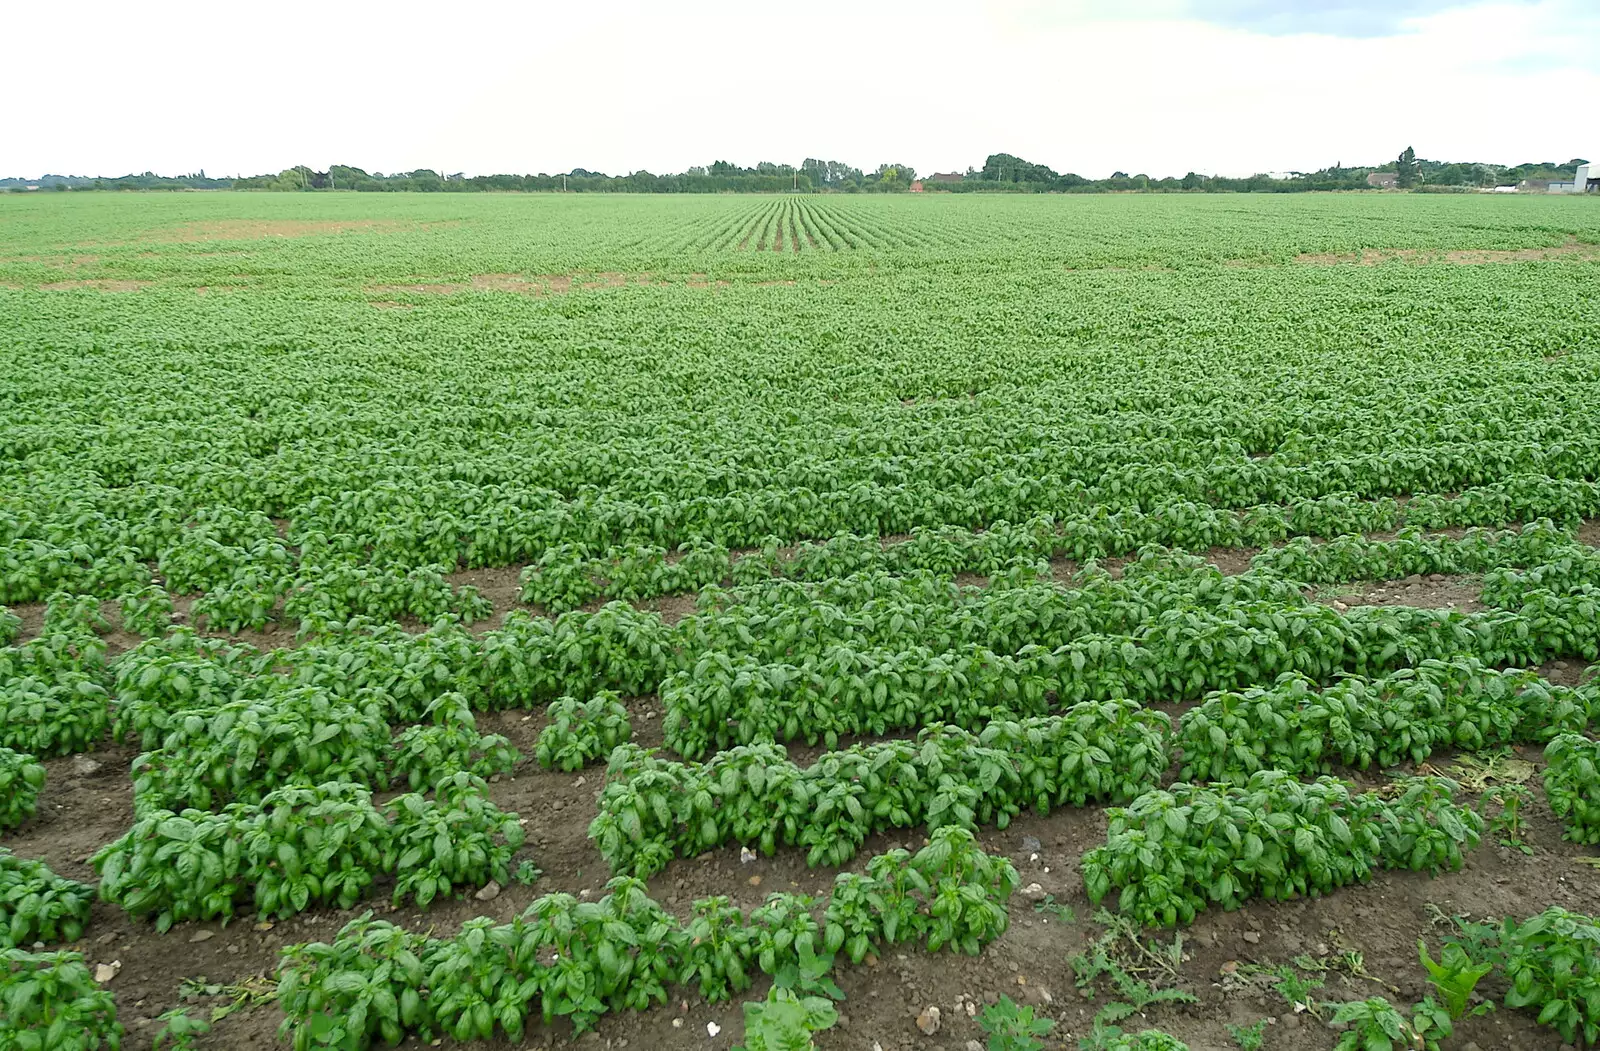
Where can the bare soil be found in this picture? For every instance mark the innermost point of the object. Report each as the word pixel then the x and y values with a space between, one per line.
pixel 532 285
pixel 1435 591
pixel 97 284
pixel 1232 560
pixel 261 229
pixel 1571 248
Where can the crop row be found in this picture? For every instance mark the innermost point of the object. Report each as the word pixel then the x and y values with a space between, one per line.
pixel 1179 655
pixel 567 577
pixel 308 845
pixel 787 659
pixel 568 958
pixel 243 750
pixel 1173 852
pixel 1294 727
pixel 652 810
pixel 89 550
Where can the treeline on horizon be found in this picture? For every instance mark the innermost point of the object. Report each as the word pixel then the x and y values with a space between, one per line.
pixel 1001 172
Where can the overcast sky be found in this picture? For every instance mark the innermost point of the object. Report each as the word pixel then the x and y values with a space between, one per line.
pixel 1089 86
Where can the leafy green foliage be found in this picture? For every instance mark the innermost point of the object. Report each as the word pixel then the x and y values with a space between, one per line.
pixel 1174 852
pixel 178 1031
pixel 423 754
pixel 1249 1037
pixel 458 839
pixel 1552 963
pixel 53 1004
pixel 790 945
pixel 582 731
pixel 307 845
pixel 563 957
pixel 1013 1028
pixel 245 749
pixel 1106 1037
pixel 68 711
pixel 1375 1024
pixel 20 781
pixel 1506 826
pixel 1572 784
pixel 146 611
pixel 367 984
pixel 717 950
pixel 69 614
pixel 785 1021
pixel 1293 726
pixel 37 905
pixel 652 810
pixel 1455 975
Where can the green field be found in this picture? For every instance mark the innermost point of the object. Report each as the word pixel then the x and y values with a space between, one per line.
pixel 1101 526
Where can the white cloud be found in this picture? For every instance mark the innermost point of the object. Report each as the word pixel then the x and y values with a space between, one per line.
pixel 1081 85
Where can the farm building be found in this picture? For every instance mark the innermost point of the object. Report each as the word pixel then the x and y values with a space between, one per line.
pixel 1585 180
pixel 1507 188
pixel 916 187
pixel 1383 180
pixel 945 177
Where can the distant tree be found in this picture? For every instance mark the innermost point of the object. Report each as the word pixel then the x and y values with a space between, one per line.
pixel 1406 170
pixel 832 175
pixel 1003 167
pixel 893 178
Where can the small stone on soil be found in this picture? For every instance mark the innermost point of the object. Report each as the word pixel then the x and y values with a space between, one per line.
pixel 201 936
pixel 928 1020
pixel 490 891
pixel 1253 937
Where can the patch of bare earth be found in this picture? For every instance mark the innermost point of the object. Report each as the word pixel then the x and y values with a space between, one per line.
pixel 1231 560
pixel 501 585
pixel 262 229
pixel 537 284
pixel 96 284
pixel 1571 672
pixel 1571 248
pixel 1435 591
